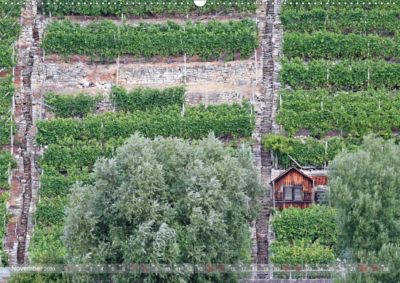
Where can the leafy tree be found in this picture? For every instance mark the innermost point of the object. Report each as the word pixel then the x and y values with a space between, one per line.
pixel 165 201
pixel 365 190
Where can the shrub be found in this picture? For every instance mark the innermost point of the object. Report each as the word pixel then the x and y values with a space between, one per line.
pixel 50 211
pixel 143 8
pixel 348 113
pixel 147 98
pixel 301 252
pixel 344 75
pixel 383 22
pixel 105 40
pixel 309 151
pixel 328 45
pixel 65 106
pixel 194 122
pixel 313 224
pixel 46 246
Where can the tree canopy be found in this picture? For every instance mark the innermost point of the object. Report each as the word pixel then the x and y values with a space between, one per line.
pixel 164 201
pixel 365 189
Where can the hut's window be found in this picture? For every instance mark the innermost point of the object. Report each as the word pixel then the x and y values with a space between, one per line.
pixel 288 192
pixel 298 193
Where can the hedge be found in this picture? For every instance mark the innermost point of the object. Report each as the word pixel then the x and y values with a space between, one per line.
pixel 301 252
pixel 349 113
pixel 304 236
pixel 146 98
pixel 314 224
pixel 343 75
pixel 65 106
pixel 144 8
pixel 76 154
pixel 328 45
pixel 383 22
pixel 106 40
pixel 308 151
pixel 192 122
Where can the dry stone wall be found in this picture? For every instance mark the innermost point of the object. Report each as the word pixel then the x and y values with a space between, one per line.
pixel 26 111
pixel 206 82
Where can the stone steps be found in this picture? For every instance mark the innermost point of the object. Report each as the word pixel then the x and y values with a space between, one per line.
pixel 24 178
pixel 265 108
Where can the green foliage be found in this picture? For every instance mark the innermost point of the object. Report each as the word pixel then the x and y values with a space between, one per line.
pixel 65 106
pixel 38 278
pixel 46 246
pixel 194 122
pixel 301 252
pixel 7 163
pixel 313 224
pixel 364 189
pixel 105 40
pixel 55 185
pixel 308 151
pixel 3 219
pixel 342 6
pixel 6 58
pixel 79 155
pixel 9 31
pixel 328 45
pixel 50 211
pixel 165 200
pixel 383 22
pixel 143 8
pixel 147 98
pixel 10 9
pixel 349 113
pixel 304 236
pixel 344 75
pixel 6 93
pixel 277 143
pixel 69 157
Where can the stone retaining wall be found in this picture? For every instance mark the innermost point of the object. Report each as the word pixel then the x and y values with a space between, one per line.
pixel 209 83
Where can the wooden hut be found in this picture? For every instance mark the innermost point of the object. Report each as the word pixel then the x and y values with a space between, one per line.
pixel 294 188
